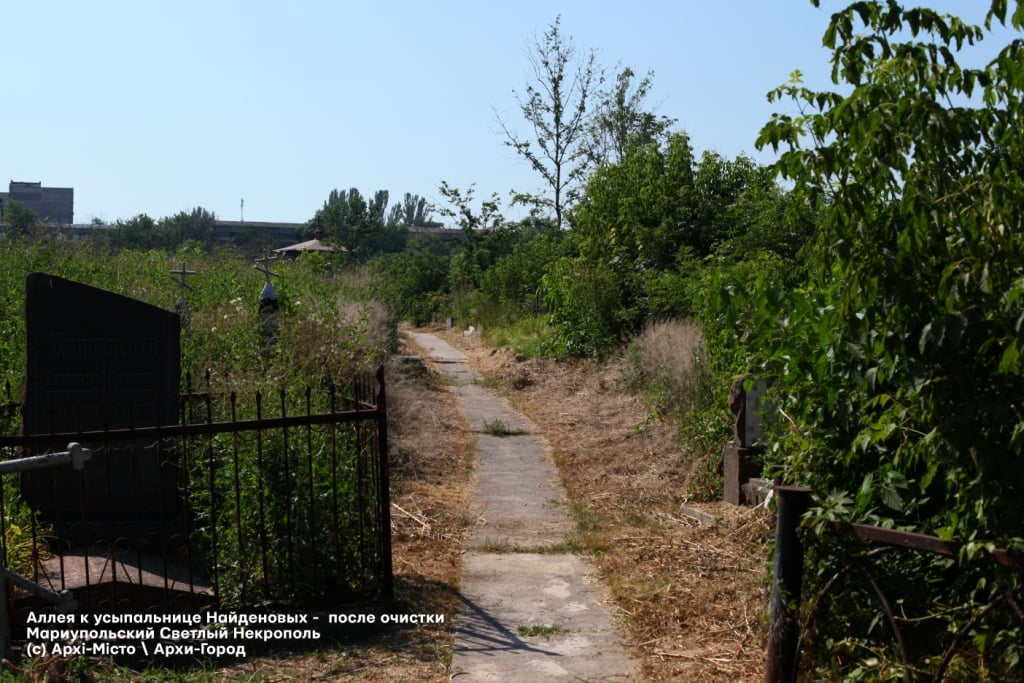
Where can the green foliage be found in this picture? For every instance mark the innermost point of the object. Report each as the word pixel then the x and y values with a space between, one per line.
pixel 619 119
pixel 513 282
pixel 555 108
pixel 220 333
pixel 664 224
pixel 899 365
pixel 413 211
pixel 414 283
pixel 498 427
pixel 26 536
pixel 18 219
pixel 528 337
pixel 350 220
pixel 137 232
pixel 487 217
pixel 919 264
pixel 585 306
pixel 173 232
pixel 195 225
pixel 259 504
pixel 635 216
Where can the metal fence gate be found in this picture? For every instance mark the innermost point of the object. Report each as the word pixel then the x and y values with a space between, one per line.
pixel 276 500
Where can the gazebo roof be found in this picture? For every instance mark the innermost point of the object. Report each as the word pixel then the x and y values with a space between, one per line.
pixel 310 245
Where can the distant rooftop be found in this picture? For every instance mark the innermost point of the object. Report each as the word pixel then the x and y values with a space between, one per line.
pixel 54 205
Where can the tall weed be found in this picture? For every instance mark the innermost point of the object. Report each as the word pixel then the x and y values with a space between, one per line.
pixel 669 364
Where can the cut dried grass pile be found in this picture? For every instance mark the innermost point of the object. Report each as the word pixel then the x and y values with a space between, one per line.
pixel 692 596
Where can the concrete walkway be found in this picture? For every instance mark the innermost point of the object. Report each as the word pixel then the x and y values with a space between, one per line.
pixel 531 611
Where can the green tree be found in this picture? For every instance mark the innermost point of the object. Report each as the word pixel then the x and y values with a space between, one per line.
pixel 414 283
pixel 513 282
pixel 555 108
pixel 900 366
pixel 139 231
pixel 196 225
pixel 637 213
pixel 620 117
pixel 349 219
pixel 19 220
pixel 920 258
pixel 460 207
pixel 413 211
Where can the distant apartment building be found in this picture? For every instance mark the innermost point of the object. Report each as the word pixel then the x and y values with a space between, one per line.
pixel 53 205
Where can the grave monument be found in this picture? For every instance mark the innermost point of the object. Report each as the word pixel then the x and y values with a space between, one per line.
pixel 741 457
pixel 100 361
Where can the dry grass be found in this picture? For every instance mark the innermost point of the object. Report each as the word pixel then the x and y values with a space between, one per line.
pixel 669 345
pixel 693 597
pixel 430 461
pixel 669 361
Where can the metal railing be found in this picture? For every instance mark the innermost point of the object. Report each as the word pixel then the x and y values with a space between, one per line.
pixel 792 619
pixel 281 501
pixel 76 456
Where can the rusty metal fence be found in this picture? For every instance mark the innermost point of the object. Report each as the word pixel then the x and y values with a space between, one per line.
pixel 278 500
pixel 873 571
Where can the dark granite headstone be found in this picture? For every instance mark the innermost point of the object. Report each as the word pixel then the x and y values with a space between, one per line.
pixel 96 361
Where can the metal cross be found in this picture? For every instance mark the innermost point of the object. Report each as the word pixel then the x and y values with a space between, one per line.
pixel 263 264
pixel 182 286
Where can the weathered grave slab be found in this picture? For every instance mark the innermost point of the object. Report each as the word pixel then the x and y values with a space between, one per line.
pixel 96 361
pixel 85 567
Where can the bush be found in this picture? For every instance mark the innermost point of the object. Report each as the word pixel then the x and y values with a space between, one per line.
pixel 415 283
pixel 513 283
pixel 585 307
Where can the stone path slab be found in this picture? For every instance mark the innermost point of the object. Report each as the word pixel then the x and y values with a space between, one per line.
pixel 530 611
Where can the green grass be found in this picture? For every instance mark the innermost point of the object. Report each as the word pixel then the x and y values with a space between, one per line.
pixel 569 546
pixel 498 427
pixel 526 337
pixel 541 630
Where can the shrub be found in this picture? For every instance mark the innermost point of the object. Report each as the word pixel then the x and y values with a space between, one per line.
pixel 585 307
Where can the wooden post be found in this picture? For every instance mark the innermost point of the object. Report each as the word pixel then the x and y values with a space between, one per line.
pixel 787 583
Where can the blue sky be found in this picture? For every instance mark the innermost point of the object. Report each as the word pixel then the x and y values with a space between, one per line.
pixel 157 107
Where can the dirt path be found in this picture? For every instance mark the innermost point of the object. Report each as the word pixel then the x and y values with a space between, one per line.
pixel 532 610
